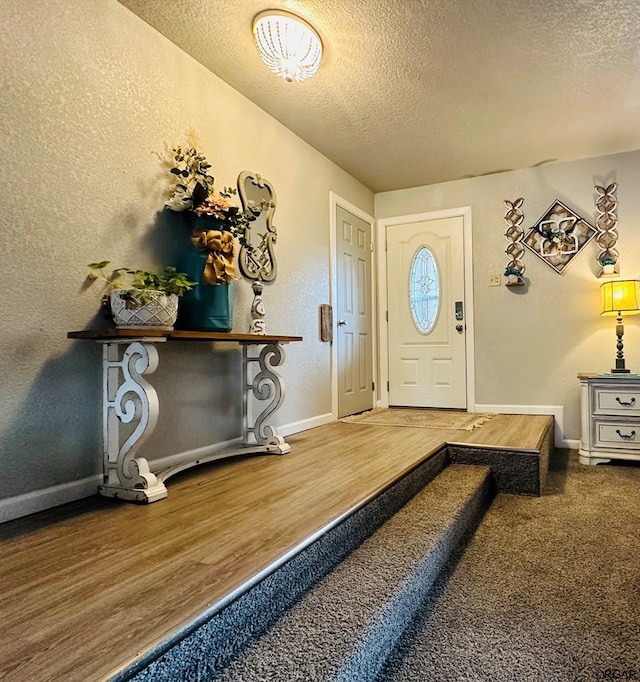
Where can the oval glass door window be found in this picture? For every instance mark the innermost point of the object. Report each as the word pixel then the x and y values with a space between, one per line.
pixel 424 290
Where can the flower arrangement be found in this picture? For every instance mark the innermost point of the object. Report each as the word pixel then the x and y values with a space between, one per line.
pixel 194 189
pixel 607 260
pixel 194 192
pixel 193 182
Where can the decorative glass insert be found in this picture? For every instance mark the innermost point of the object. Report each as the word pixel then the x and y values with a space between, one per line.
pixel 424 290
pixel 558 236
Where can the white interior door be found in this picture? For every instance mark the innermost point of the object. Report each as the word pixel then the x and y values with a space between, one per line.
pixel 353 313
pixel 426 328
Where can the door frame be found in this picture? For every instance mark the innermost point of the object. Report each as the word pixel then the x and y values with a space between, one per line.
pixel 383 333
pixel 336 200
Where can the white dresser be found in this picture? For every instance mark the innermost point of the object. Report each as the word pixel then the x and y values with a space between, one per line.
pixel 610 417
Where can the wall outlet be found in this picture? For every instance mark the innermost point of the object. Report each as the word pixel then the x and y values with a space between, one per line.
pixel 494 280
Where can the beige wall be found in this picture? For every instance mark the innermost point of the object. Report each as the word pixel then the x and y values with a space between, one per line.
pixel 531 342
pixel 90 93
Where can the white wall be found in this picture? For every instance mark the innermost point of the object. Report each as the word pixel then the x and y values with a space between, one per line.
pixel 90 94
pixel 531 342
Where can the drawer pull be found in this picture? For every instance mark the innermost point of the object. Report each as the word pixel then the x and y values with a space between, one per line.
pixel 624 403
pixel 626 436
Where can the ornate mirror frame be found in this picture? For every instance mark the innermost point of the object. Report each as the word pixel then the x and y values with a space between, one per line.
pixel 257 258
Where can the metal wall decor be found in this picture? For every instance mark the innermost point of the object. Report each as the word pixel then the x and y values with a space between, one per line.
pixel 607 228
pixel 257 258
pixel 558 236
pixel 514 234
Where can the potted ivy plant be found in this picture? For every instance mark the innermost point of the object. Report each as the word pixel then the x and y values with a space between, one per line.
pixel 141 298
pixel 513 275
pixel 608 265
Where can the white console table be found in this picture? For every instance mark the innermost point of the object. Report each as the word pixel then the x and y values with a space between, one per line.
pixel 129 399
pixel 610 417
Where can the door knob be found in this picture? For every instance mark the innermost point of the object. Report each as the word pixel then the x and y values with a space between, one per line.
pixel 342 323
pixel 459 328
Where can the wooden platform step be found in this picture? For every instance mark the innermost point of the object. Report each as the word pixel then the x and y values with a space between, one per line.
pixel 125 585
pixel 221 633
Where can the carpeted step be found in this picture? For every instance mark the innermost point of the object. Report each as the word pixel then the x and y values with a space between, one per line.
pixel 346 626
pixel 546 591
pixel 220 634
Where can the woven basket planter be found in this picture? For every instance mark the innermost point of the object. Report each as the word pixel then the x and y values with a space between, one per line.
pixel 158 311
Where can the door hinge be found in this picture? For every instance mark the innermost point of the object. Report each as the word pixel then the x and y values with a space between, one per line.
pixel 373 385
pixel 388 387
pixel 387 315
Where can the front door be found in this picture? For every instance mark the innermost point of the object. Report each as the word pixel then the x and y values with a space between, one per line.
pixel 425 295
pixel 353 313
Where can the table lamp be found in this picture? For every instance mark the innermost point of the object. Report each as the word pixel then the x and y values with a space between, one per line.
pixel 620 297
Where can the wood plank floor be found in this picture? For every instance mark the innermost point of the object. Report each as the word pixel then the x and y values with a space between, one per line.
pixel 87 587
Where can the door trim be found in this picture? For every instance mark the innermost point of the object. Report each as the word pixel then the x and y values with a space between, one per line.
pixel 336 200
pixel 383 338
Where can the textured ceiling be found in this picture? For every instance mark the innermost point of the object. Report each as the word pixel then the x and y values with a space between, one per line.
pixel 414 92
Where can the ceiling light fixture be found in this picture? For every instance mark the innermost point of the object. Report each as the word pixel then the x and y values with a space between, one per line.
pixel 288 45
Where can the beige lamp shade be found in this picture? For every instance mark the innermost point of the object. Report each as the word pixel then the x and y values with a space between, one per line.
pixel 620 297
pixel 288 45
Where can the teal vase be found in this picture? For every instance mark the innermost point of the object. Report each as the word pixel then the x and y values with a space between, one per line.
pixel 207 307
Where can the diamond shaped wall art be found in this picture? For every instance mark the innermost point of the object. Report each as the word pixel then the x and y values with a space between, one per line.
pixel 558 236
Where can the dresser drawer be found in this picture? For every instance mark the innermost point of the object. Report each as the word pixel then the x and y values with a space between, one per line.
pixel 623 401
pixel 612 434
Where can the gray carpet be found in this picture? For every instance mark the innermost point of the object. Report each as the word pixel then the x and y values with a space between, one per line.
pixel 548 589
pixel 342 630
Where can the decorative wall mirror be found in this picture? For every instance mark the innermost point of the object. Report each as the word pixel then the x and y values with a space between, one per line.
pixel 257 258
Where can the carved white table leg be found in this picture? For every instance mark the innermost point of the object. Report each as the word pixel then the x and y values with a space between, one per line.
pixel 127 399
pixel 263 385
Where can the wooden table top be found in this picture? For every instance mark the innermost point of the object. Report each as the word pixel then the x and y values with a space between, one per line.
pixel 178 335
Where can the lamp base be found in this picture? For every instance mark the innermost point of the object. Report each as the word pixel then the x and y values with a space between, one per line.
pixel 620 371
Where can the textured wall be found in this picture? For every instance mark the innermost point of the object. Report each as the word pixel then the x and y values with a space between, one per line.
pixel 89 93
pixel 531 342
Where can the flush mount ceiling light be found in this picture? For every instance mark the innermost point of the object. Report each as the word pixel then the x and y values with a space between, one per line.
pixel 288 45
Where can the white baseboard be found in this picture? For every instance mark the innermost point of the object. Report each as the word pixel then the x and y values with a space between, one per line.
pixel 39 500
pixel 556 410
pixel 306 424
